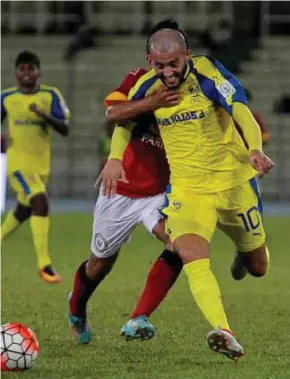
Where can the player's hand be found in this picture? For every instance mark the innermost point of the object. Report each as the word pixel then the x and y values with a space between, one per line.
pixel 34 108
pixel 165 97
pixel 261 162
pixel 110 175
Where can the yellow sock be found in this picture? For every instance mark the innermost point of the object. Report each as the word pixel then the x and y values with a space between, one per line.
pixel 39 228
pixel 206 292
pixel 10 224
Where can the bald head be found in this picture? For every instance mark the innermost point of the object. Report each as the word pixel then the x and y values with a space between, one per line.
pixel 167 41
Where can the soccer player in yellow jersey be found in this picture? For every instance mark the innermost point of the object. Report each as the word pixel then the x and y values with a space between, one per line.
pixel 33 110
pixel 212 172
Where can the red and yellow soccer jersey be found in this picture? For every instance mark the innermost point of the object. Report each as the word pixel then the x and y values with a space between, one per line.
pixel 144 161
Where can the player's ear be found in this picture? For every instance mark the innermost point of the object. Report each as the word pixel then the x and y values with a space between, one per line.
pixel 149 60
pixel 188 54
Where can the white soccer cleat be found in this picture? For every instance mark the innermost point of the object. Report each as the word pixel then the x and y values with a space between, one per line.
pixel 224 342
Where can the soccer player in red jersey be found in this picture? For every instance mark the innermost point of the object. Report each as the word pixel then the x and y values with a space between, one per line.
pixel 138 198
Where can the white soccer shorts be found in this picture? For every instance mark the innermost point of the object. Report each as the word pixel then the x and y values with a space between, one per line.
pixel 115 219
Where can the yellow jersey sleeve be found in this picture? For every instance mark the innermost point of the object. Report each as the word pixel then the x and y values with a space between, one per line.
pixel 59 109
pixel 120 140
pixel 218 84
pixel 222 87
pixel 4 95
pixel 250 128
pixel 146 85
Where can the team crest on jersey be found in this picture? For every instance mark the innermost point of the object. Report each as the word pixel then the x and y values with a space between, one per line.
pixel 194 89
pixel 100 242
pixel 176 205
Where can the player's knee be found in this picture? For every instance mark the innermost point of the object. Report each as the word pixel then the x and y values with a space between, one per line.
pixel 22 212
pixel 172 259
pixel 39 205
pixel 191 248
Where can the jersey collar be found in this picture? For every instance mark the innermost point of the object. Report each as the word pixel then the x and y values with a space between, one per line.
pixel 36 90
pixel 189 69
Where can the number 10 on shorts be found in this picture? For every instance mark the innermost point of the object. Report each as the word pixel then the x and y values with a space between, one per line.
pixel 251 219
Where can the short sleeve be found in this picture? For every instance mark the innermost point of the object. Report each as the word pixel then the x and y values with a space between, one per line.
pixel 59 108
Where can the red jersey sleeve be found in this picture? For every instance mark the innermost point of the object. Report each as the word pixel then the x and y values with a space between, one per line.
pixel 121 93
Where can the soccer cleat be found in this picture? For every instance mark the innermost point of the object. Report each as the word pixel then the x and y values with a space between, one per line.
pixel 138 328
pixel 224 342
pixel 49 275
pixel 238 269
pixel 79 327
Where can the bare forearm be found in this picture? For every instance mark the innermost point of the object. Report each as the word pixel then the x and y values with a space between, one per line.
pixel 129 110
pixel 60 126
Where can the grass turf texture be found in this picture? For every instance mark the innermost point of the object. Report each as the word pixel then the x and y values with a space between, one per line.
pixel 258 310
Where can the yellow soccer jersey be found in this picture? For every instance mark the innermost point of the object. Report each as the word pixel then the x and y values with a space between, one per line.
pixel 204 149
pixel 29 136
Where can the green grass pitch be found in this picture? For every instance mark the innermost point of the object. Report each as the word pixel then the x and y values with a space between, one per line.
pixel 258 310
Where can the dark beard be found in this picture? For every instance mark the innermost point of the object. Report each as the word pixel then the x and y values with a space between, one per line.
pixel 180 76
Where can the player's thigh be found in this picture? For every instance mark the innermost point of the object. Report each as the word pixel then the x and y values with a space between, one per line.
pixel 151 216
pixel 26 186
pixel 114 220
pixel 240 217
pixel 190 214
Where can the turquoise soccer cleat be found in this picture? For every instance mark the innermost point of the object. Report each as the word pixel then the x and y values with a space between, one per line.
pixel 138 328
pixel 80 328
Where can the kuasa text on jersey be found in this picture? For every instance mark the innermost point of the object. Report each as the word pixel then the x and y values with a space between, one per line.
pixel 182 117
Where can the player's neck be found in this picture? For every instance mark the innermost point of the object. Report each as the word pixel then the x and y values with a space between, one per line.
pixel 29 90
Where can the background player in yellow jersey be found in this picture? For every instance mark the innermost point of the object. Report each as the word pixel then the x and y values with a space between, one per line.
pixel 212 172
pixel 32 109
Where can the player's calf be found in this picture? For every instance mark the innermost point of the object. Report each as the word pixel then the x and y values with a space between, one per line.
pixel 14 219
pixel 255 262
pixel 97 268
pixel 258 260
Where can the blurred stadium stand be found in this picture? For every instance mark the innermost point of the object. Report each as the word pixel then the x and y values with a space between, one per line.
pixel 258 48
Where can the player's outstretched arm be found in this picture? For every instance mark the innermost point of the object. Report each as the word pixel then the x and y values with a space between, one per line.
pixel 113 170
pixel 129 110
pixel 225 89
pixel 252 134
